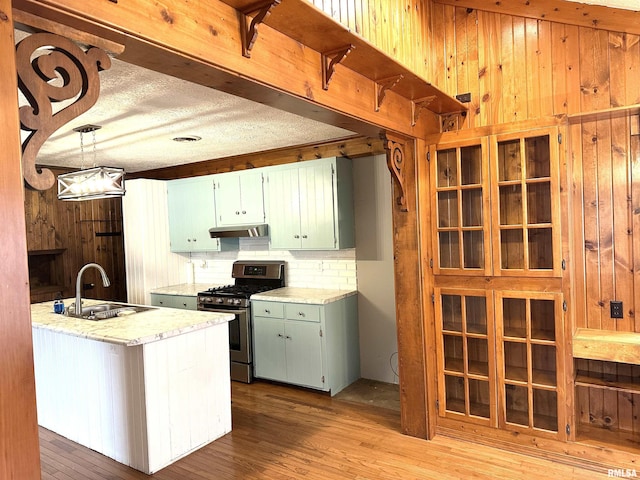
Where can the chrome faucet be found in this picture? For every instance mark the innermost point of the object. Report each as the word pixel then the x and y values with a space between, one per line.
pixel 105 282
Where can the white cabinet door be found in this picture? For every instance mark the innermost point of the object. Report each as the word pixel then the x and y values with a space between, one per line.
pixel 284 209
pixel 191 210
pixel 239 198
pixel 227 199
pixel 252 197
pixel 269 348
pixel 304 353
pixel 179 221
pixel 317 222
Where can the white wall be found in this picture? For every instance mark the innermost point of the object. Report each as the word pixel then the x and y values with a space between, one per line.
pixel 374 266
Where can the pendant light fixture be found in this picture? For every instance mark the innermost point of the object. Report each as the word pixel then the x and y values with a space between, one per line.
pixel 91 183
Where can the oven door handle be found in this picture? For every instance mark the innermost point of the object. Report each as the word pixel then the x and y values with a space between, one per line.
pixel 225 310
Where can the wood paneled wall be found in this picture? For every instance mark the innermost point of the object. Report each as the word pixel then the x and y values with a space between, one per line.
pixel 73 234
pixel 394 26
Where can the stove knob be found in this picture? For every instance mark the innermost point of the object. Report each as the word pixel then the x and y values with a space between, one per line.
pixel 219 300
pixel 237 301
pixel 230 301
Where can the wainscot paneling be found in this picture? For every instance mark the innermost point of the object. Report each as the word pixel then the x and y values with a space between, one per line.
pixel 149 262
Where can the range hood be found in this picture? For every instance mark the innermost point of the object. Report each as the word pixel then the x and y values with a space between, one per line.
pixel 260 230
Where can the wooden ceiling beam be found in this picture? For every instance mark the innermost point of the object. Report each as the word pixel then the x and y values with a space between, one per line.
pixel 200 42
pixel 560 11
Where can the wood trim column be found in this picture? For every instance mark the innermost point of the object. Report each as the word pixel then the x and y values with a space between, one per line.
pixel 19 447
pixel 409 315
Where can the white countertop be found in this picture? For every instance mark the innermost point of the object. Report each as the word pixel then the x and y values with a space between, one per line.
pixel 136 329
pixel 186 289
pixel 316 296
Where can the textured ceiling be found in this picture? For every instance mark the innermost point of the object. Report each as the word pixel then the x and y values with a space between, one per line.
pixel 141 111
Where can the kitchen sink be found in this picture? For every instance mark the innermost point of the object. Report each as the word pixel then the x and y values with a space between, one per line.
pixel 104 311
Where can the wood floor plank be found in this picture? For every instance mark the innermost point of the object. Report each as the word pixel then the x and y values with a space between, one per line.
pixel 282 433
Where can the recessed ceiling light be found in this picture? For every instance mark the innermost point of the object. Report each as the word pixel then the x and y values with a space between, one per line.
pixel 187 138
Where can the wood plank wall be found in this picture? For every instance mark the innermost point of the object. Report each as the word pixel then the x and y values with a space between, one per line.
pixel 380 21
pixel 70 235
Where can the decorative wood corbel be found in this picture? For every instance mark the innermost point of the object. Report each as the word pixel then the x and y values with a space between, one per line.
pixel 330 60
pixel 417 106
pixel 382 86
pixel 394 147
pixel 52 68
pixel 249 30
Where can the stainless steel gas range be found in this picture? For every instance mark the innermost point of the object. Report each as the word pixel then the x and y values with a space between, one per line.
pixel 250 277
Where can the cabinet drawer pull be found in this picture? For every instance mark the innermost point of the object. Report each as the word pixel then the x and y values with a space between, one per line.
pixel 301 314
pixel 304 236
pixel 244 212
pixel 280 335
pixel 237 212
pixel 288 337
pixel 266 310
pixel 296 236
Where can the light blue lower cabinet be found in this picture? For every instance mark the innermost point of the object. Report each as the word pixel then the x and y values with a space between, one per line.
pixel 312 346
pixel 184 302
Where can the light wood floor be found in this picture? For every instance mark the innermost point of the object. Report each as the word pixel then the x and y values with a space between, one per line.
pixel 287 433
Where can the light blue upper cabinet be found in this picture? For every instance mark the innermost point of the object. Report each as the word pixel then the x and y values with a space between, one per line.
pixel 239 198
pixel 310 205
pixel 191 215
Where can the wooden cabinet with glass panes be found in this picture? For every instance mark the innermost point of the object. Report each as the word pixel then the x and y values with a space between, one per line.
pixel 497 275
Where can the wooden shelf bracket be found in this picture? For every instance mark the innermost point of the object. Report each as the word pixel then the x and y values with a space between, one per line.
pixel 394 147
pixel 418 105
pixel 329 61
pixel 249 30
pixel 59 58
pixel 382 86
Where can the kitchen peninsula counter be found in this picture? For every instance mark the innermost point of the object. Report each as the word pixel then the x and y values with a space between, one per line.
pixel 136 329
pixel 144 389
pixel 313 296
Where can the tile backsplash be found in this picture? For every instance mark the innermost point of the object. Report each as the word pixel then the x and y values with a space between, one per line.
pixel 306 269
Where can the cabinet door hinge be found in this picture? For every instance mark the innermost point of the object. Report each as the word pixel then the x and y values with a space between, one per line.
pixel 564 264
pixel 428 156
pixel 320 332
pixel 322 378
pixel 431 262
pixel 438 405
pixel 433 298
pixel 568 429
pixel 564 305
pixel 560 138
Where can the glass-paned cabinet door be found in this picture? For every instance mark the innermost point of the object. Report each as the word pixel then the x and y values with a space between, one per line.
pixel 461 208
pixel 530 352
pixel 466 360
pixel 526 203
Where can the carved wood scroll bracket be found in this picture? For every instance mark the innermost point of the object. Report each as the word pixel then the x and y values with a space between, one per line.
pixel 417 106
pixel 249 30
pixel 382 86
pixel 52 68
pixel 394 147
pixel 330 60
